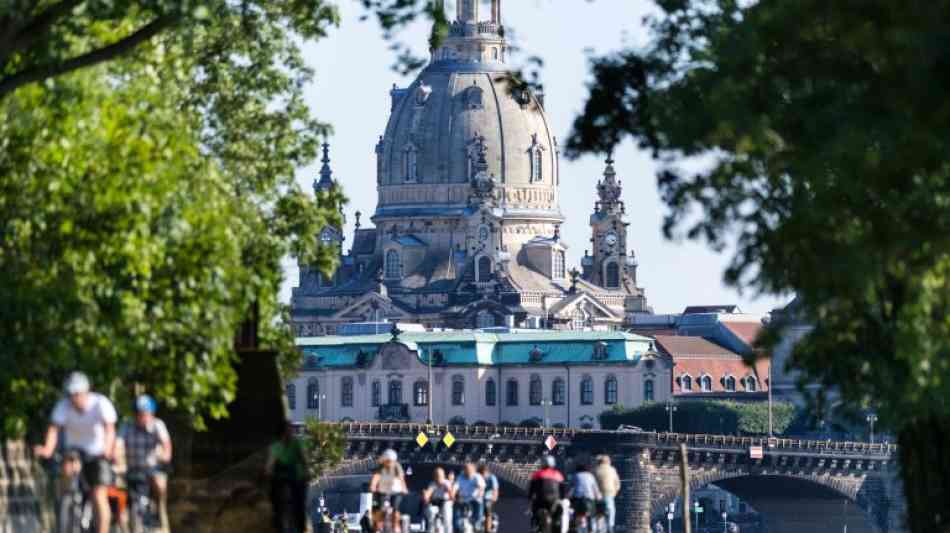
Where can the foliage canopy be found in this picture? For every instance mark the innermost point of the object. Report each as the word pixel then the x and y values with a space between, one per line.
pixel 717 417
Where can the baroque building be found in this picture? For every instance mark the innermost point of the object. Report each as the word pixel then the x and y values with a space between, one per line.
pixel 466 233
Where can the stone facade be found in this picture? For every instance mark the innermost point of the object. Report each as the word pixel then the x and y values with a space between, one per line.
pixel 565 379
pixel 467 227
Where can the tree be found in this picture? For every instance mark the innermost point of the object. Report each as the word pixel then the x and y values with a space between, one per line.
pixel 721 417
pixel 148 198
pixel 324 444
pixel 811 136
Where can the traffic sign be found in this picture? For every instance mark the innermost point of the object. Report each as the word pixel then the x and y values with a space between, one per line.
pixel 669 516
pixel 550 442
pixel 448 439
pixel 422 439
pixel 755 452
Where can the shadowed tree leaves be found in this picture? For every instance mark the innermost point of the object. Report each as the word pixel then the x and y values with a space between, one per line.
pixel 811 134
pixel 147 200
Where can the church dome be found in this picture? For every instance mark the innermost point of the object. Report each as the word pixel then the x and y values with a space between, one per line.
pixel 463 105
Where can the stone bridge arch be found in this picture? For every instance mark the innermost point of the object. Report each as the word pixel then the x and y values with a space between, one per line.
pixel 859 493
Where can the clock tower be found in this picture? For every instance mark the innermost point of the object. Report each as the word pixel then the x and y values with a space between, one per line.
pixel 609 265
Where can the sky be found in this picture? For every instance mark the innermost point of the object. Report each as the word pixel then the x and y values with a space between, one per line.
pixel 350 91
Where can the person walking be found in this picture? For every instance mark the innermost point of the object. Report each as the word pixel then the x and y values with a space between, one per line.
pixel 609 483
pixel 287 470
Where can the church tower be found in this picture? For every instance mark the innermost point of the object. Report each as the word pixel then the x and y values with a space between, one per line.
pixel 609 266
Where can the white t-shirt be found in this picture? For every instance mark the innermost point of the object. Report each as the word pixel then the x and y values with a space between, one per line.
pixel 85 430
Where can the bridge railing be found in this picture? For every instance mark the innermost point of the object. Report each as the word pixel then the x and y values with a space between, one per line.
pixel 410 430
pixel 813 446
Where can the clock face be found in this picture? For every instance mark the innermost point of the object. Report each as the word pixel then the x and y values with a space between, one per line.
pixel 611 239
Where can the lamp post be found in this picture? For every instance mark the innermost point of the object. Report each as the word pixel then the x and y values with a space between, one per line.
pixel 547 405
pixel 320 398
pixel 725 524
pixel 671 408
pixel 871 418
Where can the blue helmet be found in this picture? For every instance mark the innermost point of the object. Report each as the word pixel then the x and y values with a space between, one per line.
pixel 145 404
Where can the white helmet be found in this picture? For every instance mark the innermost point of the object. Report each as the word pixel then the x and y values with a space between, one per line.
pixel 389 455
pixel 76 383
pixel 548 461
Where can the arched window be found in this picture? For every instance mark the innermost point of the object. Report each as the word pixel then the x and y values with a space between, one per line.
pixel 537 162
pixel 484 319
pixel 494 53
pixel 705 383
pixel 346 392
pixel 610 390
pixel 409 165
pixel 484 270
pixel 535 391
pixel 395 392
pixel 686 383
pixel 613 275
pixel 313 394
pixel 648 390
pixel 730 383
pixel 291 396
pixel 377 393
pixel 491 393
pixel 558 392
pixel 458 390
pixel 512 392
pixel 420 393
pixel 587 391
pixel 393 265
pixel 751 384
pixel 558 271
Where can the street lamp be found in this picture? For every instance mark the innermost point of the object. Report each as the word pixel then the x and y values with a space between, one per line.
pixel 670 408
pixel 546 404
pixel 871 418
pixel 725 523
pixel 320 398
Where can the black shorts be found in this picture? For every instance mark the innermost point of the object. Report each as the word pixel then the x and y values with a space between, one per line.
pixel 394 501
pixel 582 505
pixel 97 472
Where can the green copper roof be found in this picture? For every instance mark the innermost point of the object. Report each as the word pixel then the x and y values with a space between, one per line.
pixel 481 348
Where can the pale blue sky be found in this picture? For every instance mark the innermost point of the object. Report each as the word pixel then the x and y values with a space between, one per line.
pixel 351 92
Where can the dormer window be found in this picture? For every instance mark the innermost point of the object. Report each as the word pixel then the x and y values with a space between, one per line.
pixel 751 384
pixel 705 384
pixel 600 351
pixel 730 383
pixel 410 167
pixel 473 97
pixel 686 383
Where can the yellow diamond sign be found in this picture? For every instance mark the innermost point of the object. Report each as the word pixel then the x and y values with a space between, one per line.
pixel 449 440
pixel 421 439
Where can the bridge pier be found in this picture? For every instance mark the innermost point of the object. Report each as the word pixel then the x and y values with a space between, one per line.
pixel 636 493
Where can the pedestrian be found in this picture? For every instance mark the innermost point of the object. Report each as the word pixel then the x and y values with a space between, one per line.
pixel 609 483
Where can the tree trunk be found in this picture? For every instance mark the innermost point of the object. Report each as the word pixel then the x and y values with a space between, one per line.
pixel 925 469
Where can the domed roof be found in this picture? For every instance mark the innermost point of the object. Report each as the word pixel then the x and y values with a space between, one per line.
pixel 461 105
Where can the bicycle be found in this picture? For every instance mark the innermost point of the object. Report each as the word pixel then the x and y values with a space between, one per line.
pixel 436 518
pixel 465 513
pixel 143 509
pixel 383 516
pixel 75 512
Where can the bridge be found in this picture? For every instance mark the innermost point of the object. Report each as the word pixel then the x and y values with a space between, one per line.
pixel 798 485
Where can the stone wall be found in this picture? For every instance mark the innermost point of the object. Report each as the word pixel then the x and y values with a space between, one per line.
pixel 22 491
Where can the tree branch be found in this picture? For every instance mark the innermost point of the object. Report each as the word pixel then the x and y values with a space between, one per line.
pixel 11 40
pixel 10 83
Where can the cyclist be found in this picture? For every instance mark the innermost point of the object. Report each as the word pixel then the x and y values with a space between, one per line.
pixel 609 483
pixel 148 447
pixel 86 420
pixel 389 484
pixel 492 492
pixel 470 489
pixel 583 492
pixel 439 495
pixel 545 491
pixel 287 470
